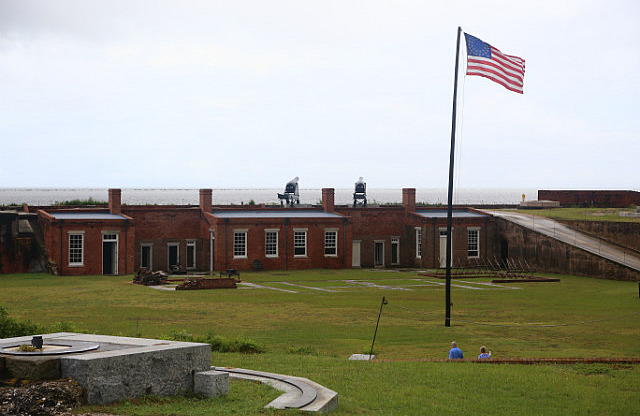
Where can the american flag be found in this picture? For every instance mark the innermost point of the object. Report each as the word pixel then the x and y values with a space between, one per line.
pixel 486 61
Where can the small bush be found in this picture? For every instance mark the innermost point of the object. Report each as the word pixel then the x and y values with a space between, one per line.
pixel 62 326
pixel 9 327
pixel 219 343
pixel 80 202
pixel 182 336
pixel 222 344
pixel 367 350
pixel 27 348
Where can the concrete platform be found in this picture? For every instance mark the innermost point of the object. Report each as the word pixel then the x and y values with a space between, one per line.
pixel 122 367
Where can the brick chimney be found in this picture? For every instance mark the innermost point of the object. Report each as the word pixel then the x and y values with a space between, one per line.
pixel 409 199
pixel 206 197
pixel 115 201
pixel 328 196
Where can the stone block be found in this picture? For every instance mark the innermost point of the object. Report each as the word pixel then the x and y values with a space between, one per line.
pixel 33 368
pixel 211 383
pixel 115 375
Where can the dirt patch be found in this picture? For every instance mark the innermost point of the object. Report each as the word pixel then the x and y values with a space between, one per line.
pixel 56 397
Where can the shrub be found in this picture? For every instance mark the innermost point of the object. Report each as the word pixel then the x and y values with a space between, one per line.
pixel 9 327
pixel 243 345
pixel 80 202
pixel 219 343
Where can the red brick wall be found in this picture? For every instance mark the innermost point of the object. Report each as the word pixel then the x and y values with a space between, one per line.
pixel 315 258
pixel 459 255
pixel 16 254
pixel 550 255
pixel 626 234
pixel 377 224
pixel 56 235
pixel 161 225
pixel 610 199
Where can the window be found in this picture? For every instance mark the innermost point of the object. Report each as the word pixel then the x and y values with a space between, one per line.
pixel 331 243
pixel 299 243
pixel 473 244
pixel 378 253
pixel 191 254
pixel 418 242
pixel 76 249
pixel 240 244
pixel 271 243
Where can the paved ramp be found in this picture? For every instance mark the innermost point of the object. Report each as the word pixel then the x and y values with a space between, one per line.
pixel 561 232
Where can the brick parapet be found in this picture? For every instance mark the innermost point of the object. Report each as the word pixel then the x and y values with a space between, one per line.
pixel 547 254
pixel 545 360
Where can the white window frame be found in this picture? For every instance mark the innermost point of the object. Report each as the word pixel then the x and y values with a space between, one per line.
pixel 191 243
pixel 418 242
pixel 240 251
pixel 267 244
pixel 296 241
pixel 78 250
pixel 334 246
pixel 471 231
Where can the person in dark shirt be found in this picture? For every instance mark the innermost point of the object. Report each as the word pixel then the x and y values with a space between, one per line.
pixel 455 352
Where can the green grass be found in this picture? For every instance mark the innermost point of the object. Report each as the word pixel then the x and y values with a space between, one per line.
pixel 80 202
pixel 582 214
pixel 312 333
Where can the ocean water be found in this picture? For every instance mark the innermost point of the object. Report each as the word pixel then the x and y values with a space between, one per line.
pixel 136 196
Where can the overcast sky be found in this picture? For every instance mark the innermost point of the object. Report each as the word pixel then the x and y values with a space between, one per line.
pixel 248 94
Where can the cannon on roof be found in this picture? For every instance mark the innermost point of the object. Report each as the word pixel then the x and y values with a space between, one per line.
pixel 291 194
pixel 360 194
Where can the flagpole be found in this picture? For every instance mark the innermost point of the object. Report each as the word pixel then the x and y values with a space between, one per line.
pixel 447 321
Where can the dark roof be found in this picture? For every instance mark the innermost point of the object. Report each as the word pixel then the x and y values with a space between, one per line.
pixel 86 216
pixel 283 213
pixel 442 213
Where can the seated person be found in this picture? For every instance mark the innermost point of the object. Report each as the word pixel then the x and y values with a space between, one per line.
pixel 483 353
pixel 455 353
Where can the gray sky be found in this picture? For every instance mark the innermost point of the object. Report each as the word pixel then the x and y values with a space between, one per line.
pixel 249 94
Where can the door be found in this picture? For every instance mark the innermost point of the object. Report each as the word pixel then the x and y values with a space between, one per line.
pixel 443 247
pixel 110 254
pixel 146 257
pixel 395 251
pixel 355 256
pixel 173 257
pixel 378 254
pixel 191 254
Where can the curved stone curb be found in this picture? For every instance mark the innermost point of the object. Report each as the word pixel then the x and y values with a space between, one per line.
pixel 300 393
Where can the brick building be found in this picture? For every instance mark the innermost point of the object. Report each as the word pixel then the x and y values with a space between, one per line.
pixel 123 238
pixel 586 198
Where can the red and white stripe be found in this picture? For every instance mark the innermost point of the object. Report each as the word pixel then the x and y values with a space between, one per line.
pixel 506 70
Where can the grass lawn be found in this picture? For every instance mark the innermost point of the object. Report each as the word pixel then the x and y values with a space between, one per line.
pixel 582 214
pixel 310 322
